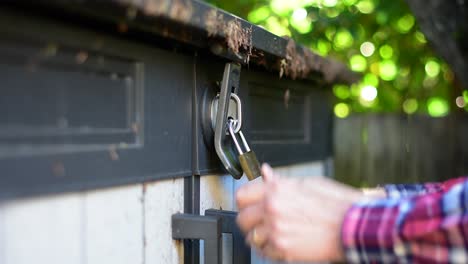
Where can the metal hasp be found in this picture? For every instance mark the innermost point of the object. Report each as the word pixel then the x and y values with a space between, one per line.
pixel 207 228
pixel 241 252
pixel 223 145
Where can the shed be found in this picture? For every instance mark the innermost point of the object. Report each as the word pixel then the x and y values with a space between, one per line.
pixel 104 130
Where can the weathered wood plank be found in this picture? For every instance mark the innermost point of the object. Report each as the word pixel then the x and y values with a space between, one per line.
pixel 216 192
pixel 162 199
pixel 114 225
pixel 43 230
pixel 400 149
pixel 347 150
pixel 2 236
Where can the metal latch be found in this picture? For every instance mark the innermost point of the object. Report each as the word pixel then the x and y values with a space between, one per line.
pixel 240 251
pixel 229 122
pixel 210 228
pixel 207 228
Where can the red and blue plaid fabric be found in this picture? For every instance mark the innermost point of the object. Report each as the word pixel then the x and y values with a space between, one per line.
pixel 415 224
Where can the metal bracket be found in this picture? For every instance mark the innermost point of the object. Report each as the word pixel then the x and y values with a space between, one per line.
pixel 223 145
pixel 207 228
pixel 241 252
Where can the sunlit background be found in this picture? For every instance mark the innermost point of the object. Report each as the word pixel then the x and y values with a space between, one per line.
pixel 380 39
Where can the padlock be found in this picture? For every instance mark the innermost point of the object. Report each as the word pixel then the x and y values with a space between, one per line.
pixel 247 159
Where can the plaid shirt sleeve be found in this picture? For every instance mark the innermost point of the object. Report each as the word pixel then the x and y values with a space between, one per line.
pixel 407 190
pixel 429 228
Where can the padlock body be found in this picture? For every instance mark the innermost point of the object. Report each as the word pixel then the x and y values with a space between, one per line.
pixel 250 165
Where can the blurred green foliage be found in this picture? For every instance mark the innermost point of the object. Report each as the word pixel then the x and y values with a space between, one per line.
pixel 378 38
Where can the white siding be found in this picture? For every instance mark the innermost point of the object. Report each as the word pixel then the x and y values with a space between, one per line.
pixel 216 192
pixel 129 224
pixel 45 230
pixel 162 200
pixel 113 228
pixel 2 236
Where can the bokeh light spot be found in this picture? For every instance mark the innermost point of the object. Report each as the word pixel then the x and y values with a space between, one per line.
pixel 341 110
pixel 437 107
pixel 332 12
pixel 465 96
pixel 323 47
pixel 368 93
pixel 432 68
pixel 341 91
pixel 299 14
pixel 259 14
pixel 388 70
pixel 367 49
pixel 300 22
pixel 410 106
pixel 330 33
pixel 358 63
pixel 365 6
pixel 343 39
pixel 329 3
pixel 371 79
pixel 460 102
pixel 276 27
pixel 302 26
pixel 386 52
pixel 282 7
pixel 420 37
pixel 405 23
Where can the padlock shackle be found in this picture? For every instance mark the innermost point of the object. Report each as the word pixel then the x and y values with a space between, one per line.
pixel 244 141
pixel 233 135
pixel 232 132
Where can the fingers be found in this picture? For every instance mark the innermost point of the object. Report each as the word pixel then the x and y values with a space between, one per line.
pixel 252 192
pixel 268 173
pixel 250 217
pixel 272 252
pixel 258 236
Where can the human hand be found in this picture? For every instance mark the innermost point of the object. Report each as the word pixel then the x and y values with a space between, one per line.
pixel 376 193
pixel 294 219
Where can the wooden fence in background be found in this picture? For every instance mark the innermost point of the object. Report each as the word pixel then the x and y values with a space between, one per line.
pixel 372 149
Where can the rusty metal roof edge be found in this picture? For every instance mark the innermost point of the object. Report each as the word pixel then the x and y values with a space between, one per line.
pixel 226 35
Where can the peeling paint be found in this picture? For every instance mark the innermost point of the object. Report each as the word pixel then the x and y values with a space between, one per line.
pixel 300 62
pixel 214 22
pixel 238 39
pixel 236 36
pixel 228 35
pixel 181 10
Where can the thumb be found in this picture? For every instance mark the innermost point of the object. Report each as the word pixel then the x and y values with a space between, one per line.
pixel 267 173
